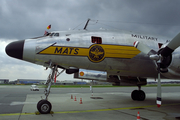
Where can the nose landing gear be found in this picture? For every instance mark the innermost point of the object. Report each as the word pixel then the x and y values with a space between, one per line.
pixel 44 106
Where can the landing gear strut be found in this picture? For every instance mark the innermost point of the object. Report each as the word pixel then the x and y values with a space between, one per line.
pixel 138 94
pixel 44 106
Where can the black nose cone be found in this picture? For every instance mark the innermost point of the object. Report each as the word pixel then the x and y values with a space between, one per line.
pixel 15 49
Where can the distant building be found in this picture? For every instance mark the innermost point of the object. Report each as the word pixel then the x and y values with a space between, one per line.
pixel 4 81
pixel 70 82
pixel 29 81
pixel 34 81
pixel 80 83
pixel 66 82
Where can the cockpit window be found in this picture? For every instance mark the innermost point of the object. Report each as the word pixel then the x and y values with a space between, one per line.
pixel 48 34
pixel 51 34
pixel 56 34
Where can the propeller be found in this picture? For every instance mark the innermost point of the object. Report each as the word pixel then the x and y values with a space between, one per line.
pixel 174 43
pixel 154 56
pixel 161 59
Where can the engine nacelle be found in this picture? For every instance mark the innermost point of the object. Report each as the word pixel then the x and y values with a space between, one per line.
pixel 170 65
pixel 173 68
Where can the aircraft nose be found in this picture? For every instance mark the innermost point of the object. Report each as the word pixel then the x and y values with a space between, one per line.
pixel 15 49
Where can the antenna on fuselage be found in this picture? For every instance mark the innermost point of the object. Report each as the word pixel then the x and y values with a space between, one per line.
pixel 86 24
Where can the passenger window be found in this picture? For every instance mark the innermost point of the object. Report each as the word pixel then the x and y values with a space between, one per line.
pixel 96 40
pixel 56 34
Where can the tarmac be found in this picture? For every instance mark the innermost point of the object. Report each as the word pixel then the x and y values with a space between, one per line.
pixel 104 103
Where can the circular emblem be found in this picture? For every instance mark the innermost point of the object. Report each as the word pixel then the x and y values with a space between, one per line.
pixel 96 53
pixel 81 73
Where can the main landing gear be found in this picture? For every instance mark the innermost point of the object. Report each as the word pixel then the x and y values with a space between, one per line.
pixel 138 94
pixel 44 106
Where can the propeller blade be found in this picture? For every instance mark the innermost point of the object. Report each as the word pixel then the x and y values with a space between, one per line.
pixel 143 48
pixel 174 43
pixel 158 100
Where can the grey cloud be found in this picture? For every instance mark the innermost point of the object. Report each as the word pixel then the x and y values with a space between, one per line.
pixel 22 19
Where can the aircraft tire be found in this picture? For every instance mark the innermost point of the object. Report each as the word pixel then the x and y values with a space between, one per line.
pixel 44 106
pixel 141 95
pixel 38 104
pixel 134 95
pixel 138 95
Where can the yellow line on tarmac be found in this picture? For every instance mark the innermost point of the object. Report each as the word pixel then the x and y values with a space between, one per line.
pixel 97 110
pixel 110 109
pixel 15 114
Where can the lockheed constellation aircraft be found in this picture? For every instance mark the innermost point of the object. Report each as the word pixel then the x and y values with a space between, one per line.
pixel 123 58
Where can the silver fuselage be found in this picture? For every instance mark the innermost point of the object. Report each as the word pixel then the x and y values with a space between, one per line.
pixel 75 49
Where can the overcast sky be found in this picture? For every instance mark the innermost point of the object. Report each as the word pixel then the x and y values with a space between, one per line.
pixel 21 19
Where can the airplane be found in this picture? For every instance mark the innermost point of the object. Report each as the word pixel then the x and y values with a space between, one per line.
pixel 120 57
